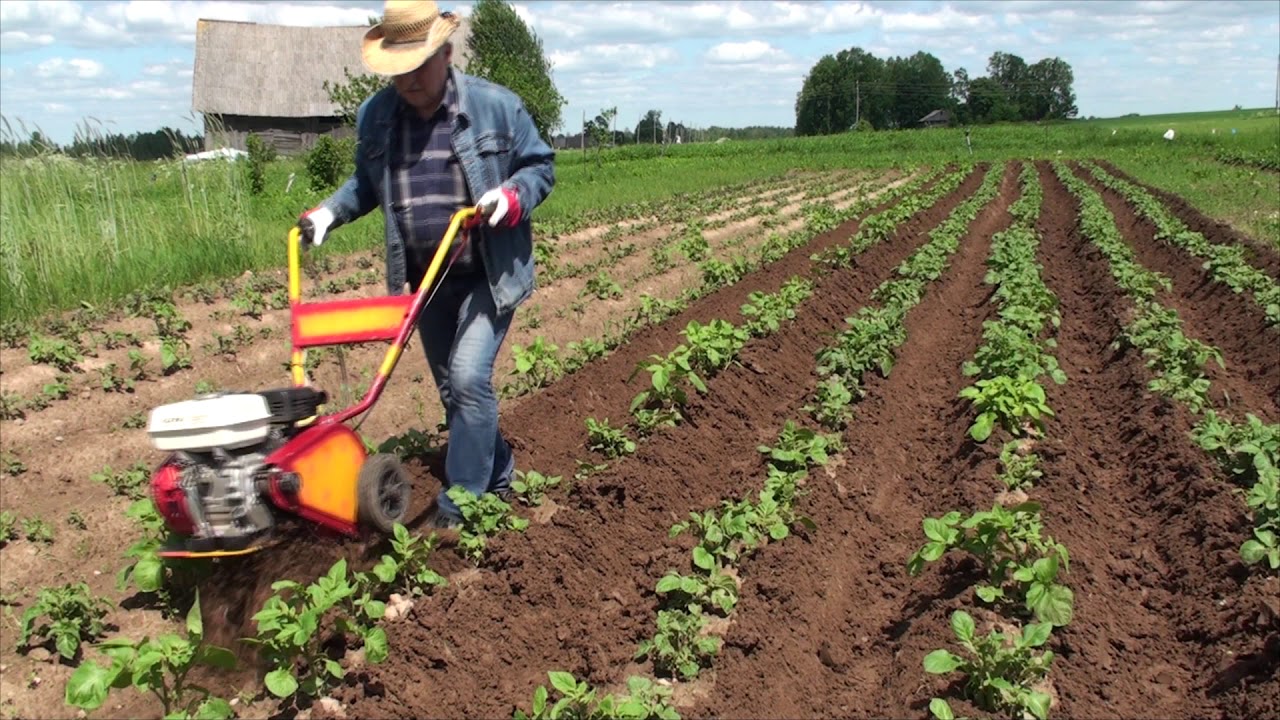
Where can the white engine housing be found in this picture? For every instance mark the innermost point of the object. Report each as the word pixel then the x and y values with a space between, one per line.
pixel 220 421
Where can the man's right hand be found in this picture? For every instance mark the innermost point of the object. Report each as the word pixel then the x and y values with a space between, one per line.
pixel 314 223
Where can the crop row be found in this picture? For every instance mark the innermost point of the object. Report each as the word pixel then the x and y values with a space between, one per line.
pixel 1249 451
pixel 766 201
pixel 684 643
pixel 1003 671
pixel 541 362
pixel 289 627
pixel 1226 263
pixel 875 332
pixel 257 295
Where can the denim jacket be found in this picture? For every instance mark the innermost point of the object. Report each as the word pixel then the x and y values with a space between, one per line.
pixel 496 143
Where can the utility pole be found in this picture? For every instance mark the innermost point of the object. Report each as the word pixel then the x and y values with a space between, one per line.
pixel 857 103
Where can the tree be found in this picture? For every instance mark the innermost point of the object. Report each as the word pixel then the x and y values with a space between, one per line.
pixel 599 129
pixel 649 129
pixel 824 104
pixel 350 94
pixel 505 51
pixel 988 102
pixel 1052 97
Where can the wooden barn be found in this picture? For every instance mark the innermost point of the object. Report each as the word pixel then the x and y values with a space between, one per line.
pixel 269 80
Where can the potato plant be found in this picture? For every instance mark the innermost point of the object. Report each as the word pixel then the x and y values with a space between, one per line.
pixel 159 666
pixel 1001 671
pixel 70 613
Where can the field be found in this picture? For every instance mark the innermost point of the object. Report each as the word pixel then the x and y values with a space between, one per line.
pixel 798 436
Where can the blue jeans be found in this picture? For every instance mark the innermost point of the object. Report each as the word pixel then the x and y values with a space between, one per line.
pixel 461 332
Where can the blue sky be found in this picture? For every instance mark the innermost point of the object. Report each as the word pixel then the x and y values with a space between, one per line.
pixel 127 65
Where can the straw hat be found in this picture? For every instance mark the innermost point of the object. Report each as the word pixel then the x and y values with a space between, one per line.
pixel 410 32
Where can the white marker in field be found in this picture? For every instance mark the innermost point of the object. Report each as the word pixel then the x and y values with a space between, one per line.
pixel 1168 134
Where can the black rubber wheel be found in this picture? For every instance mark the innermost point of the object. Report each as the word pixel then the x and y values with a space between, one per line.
pixel 382 492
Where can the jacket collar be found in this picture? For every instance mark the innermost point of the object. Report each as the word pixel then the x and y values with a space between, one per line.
pixel 397 105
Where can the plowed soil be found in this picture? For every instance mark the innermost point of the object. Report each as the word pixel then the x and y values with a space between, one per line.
pixel 576 593
pixel 1168 622
pixel 1265 256
pixel 1210 311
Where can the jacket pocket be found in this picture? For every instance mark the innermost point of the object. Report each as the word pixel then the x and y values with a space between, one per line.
pixel 493 143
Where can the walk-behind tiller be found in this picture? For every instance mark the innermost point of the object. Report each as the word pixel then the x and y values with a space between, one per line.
pixel 236 459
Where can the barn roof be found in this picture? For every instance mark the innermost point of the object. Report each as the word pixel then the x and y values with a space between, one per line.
pixel 264 70
pixel 936 116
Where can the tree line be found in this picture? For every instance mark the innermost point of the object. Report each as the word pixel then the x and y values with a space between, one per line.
pixel 144 146
pixel 855 89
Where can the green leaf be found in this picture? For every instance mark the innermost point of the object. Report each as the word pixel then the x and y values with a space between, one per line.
pixel 281 682
pixel 982 427
pixel 333 668
pixel 940 709
pixel 941 662
pixel 148 573
pixel 1038 704
pixel 1036 634
pixel 563 681
pixel 963 626
pixel 1252 552
pixel 213 709
pixel 669 583
pixel 1052 604
pixel 988 593
pixel 936 530
pixel 375 646
pixel 67 644
pixel 539 700
pixel 702 558
pixel 88 687
pixel 195 625
pixel 221 658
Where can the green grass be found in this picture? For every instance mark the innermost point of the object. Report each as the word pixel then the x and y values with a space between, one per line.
pixel 92 232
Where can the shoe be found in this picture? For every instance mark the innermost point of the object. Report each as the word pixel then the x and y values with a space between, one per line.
pixel 442 521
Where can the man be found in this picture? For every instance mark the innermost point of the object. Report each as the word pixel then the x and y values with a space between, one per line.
pixel 430 144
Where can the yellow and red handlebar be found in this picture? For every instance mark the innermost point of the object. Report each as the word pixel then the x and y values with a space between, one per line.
pixel 365 319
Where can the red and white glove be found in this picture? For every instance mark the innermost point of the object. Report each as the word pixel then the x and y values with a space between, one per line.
pixel 506 205
pixel 314 223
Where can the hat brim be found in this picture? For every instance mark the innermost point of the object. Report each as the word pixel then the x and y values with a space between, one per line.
pixel 389 59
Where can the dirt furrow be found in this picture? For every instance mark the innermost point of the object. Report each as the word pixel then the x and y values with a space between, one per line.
pixel 1210 312
pixel 1152 533
pixel 846 593
pixel 576 592
pixel 87 442
pixel 1264 257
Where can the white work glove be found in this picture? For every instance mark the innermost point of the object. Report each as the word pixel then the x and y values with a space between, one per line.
pixel 504 202
pixel 314 224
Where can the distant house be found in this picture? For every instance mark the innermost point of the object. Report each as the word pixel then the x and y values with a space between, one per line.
pixel 269 80
pixel 937 118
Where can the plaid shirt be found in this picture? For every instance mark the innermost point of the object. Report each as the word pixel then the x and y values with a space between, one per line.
pixel 428 186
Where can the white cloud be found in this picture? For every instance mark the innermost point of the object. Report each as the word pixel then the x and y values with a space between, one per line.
pixel 731 53
pixel 596 57
pixel 17 41
pixel 946 19
pixel 60 69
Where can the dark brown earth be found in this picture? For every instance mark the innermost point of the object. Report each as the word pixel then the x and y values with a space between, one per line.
pixel 576 593
pixel 1210 311
pixel 1168 622
pixel 1264 256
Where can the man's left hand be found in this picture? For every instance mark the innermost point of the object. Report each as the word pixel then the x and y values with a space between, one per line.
pixel 506 205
